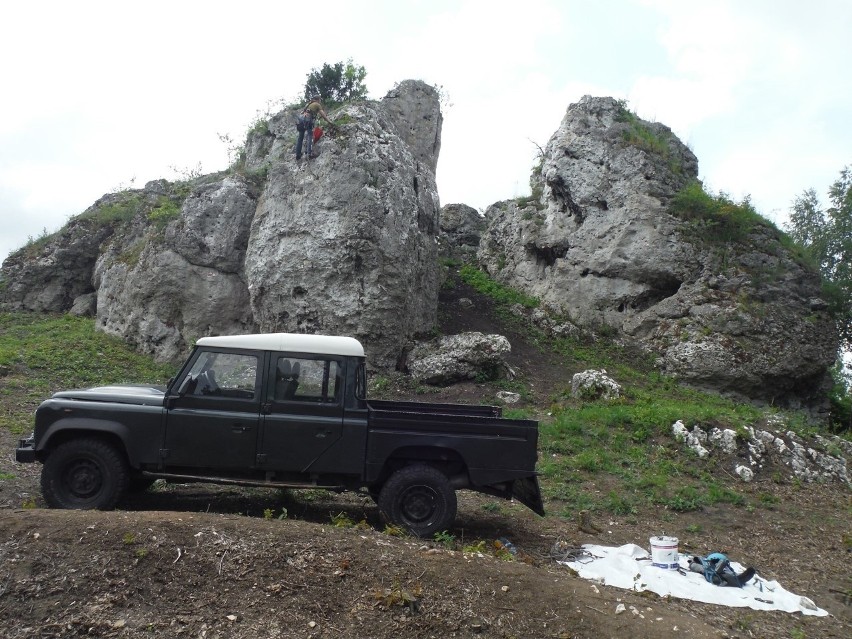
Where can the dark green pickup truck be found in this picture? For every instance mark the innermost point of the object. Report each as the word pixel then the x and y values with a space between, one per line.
pixel 280 410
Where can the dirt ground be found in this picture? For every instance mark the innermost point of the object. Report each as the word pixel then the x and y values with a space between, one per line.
pixel 208 561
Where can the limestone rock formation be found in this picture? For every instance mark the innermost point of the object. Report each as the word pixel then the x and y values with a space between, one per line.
pixel 598 244
pixel 50 273
pixel 162 288
pixel 461 231
pixel 348 243
pixel 759 450
pixel 345 243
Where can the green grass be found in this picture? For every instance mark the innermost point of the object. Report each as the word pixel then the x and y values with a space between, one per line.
pixel 628 442
pixel 637 133
pixel 719 220
pixel 165 211
pixel 125 206
pixel 42 354
pixel 496 291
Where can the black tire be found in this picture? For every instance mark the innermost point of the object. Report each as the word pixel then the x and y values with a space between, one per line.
pixel 84 474
pixel 420 499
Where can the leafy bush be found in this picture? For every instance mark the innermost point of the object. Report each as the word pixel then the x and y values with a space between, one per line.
pixel 825 233
pixel 841 399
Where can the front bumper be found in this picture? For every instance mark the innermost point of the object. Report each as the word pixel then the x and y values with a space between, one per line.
pixel 25 452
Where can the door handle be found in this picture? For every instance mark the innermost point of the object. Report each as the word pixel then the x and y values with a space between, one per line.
pixel 240 428
pixel 322 434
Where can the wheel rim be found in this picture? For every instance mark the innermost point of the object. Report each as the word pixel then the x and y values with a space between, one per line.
pixel 83 478
pixel 419 503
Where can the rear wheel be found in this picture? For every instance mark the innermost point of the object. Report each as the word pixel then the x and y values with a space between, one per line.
pixel 420 499
pixel 84 474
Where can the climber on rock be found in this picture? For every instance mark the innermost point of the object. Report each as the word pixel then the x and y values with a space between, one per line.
pixel 305 125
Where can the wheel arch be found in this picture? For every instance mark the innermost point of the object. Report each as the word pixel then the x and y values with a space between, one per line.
pixel 447 460
pixel 66 430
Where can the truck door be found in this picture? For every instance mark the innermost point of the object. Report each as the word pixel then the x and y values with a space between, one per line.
pixel 214 421
pixel 303 413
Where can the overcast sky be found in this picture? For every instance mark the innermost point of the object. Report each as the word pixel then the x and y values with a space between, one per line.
pixel 97 96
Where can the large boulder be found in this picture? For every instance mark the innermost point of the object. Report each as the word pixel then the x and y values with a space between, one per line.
pixel 598 243
pixel 346 243
pixel 454 358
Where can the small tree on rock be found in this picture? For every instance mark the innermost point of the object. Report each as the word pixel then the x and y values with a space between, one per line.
pixel 340 82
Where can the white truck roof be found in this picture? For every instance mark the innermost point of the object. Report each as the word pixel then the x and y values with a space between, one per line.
pixel 291 342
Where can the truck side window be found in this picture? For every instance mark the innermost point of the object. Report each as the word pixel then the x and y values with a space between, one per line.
pixel 224 374
pixel 361 382
pixel 307 380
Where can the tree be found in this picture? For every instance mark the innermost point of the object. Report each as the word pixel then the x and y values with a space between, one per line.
pixel 826 234
pixel 340 82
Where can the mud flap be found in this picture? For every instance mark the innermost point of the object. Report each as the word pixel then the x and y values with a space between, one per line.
pixel 527 492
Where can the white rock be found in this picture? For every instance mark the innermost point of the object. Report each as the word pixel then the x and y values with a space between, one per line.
pixel 508 397
pixel 594 384
pixel 745 473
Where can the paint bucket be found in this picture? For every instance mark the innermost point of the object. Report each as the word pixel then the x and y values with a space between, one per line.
pixel 664 552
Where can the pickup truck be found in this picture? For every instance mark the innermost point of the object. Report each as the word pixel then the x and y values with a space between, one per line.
pixel 286 411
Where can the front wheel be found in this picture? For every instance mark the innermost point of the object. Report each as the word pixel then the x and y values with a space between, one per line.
pixel 84 474
pixel 420 499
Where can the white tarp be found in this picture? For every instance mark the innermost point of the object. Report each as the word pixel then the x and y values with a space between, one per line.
pixel 629 567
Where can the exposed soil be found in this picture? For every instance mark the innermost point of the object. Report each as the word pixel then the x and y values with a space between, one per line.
pixel 204 561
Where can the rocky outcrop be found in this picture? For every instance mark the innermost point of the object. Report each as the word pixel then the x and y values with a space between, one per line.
pixel 461 231
pixel 349 242
pixel 343 244
pixel 757 451
pixel 598 244
pixel 48 274
pixel 162 288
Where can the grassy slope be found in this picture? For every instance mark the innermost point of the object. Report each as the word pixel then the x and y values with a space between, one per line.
pixel 42 354
pixel 619 456
pixel 623 447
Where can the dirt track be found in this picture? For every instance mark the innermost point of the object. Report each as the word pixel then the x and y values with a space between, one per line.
pixel 202 570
